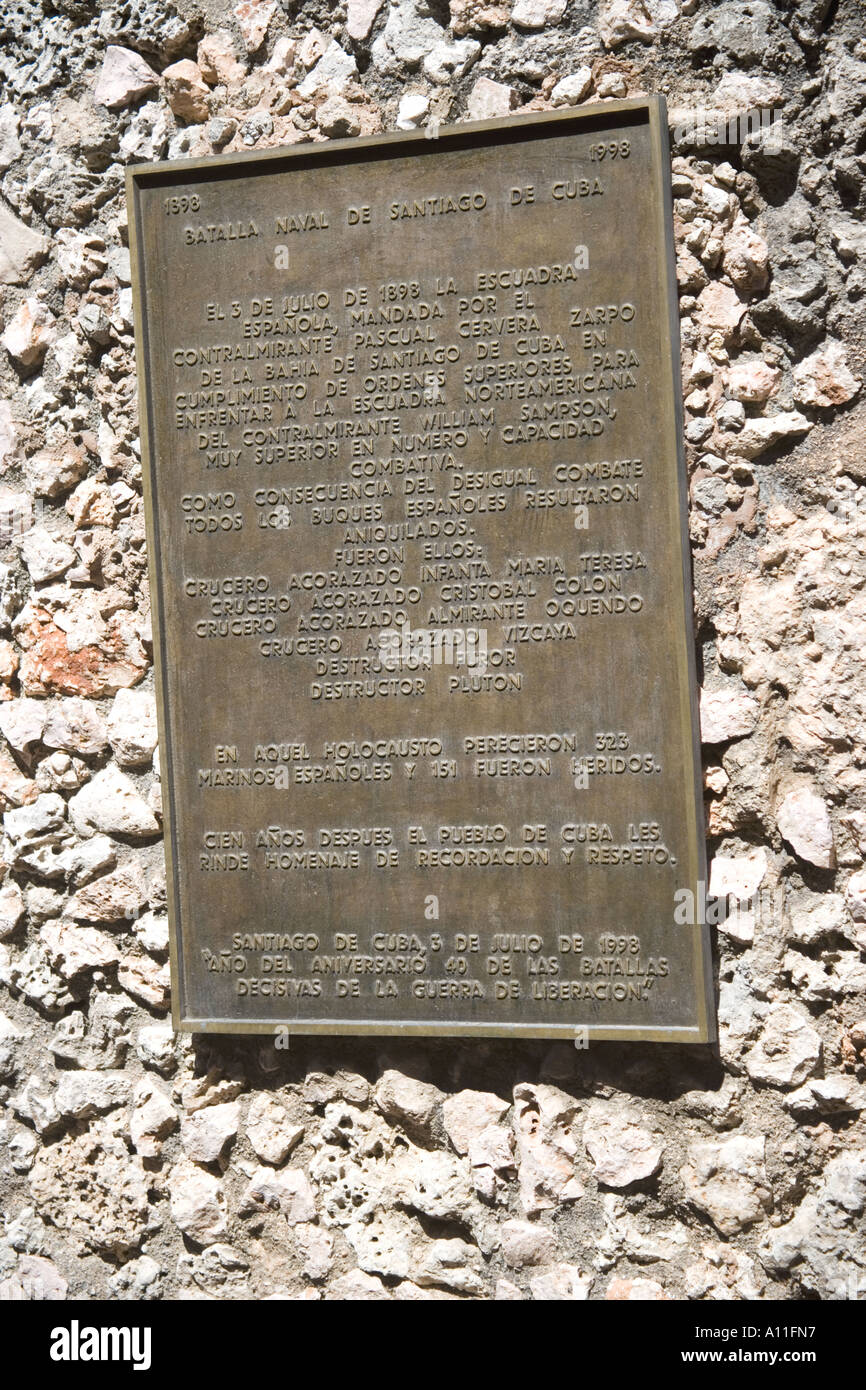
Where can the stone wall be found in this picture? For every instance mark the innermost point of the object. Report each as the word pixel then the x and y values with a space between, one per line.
pixel 137 1164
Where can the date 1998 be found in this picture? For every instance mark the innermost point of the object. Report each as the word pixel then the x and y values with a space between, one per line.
pixel 614 149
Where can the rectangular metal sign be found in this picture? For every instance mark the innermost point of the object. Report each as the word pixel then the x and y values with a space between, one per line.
pixel 411 437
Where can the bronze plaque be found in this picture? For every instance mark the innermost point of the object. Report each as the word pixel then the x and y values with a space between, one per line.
pixel 411 433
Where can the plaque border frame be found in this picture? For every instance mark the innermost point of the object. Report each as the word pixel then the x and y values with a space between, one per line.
pixel 167 173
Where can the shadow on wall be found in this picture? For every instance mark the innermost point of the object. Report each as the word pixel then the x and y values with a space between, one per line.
pixel 660 1071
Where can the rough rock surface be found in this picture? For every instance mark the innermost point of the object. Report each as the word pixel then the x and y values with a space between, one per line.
pixel 135 1164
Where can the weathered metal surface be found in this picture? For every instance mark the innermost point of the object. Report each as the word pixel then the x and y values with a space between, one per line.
pixel 412 446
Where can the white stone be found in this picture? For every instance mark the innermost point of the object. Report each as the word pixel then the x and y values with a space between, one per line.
pixel 83 1094
pixel 36 1279
pixel 855 894
pixel 151 930
pixel 746 257
pixel 724 1274
pixel 287 1190
pixel 11 907
pixel 54 470
pixel 819 1241
pixel 80 256
pixel 625 1235
pixel 43 903
pixel 132 730
pixel 753 381
pixel 467 1114
pixel 386 1244
pixel 572 89
pixel 92 502
pixel 209 1089
pixel 42 818
pixel 824 379
pixel 114 897
pixel 493 1147
pixel 356 1286
pixel 737 93
pixel 312 47
pixel 76 726
pixel 152 1118
pixel 561 1283
pixel 198 1203
pixel 110 802
pixel 623 1151
pixel 21 249
pixel 814 917
pixel 468 15
pixel 334 71
pixel 788 1048
pixel 715 200
pixel 137 1280
pixel 44 555
pixel 125 77
pixel 73 950
pixel 432 1182
pixel 526 1243
pixel 218 61
pixel 738 876
pixel 10 145
pixel 317 1247
pixel 338 118
pixel 30 333
pixel 634 1291
pixel 728 1181
pixel 58 772
pixel 360 17
pixel 186 91
pixel 811 980
pixel 719 308
pixel 727 714
pixel 413 108
pixel 35 1102
pixel 9 437
pixel 22 722
pixel 831 1095
pixel 446 62
pixel 506 1292
pixel 16 516
pixel 804 822
pixel 147 134
pixel 270 1130
pixel 546 1147
pixel 207 1133
pixel 701 370
pixel 410 33
pixel 621 21
pixel 611 85
pixel 489 99
pixel 145 979
pixel 155 1046
pixel 537 14
pixel 448 1264
pixel 759 435
pixel 253 17
pixel 411 1103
